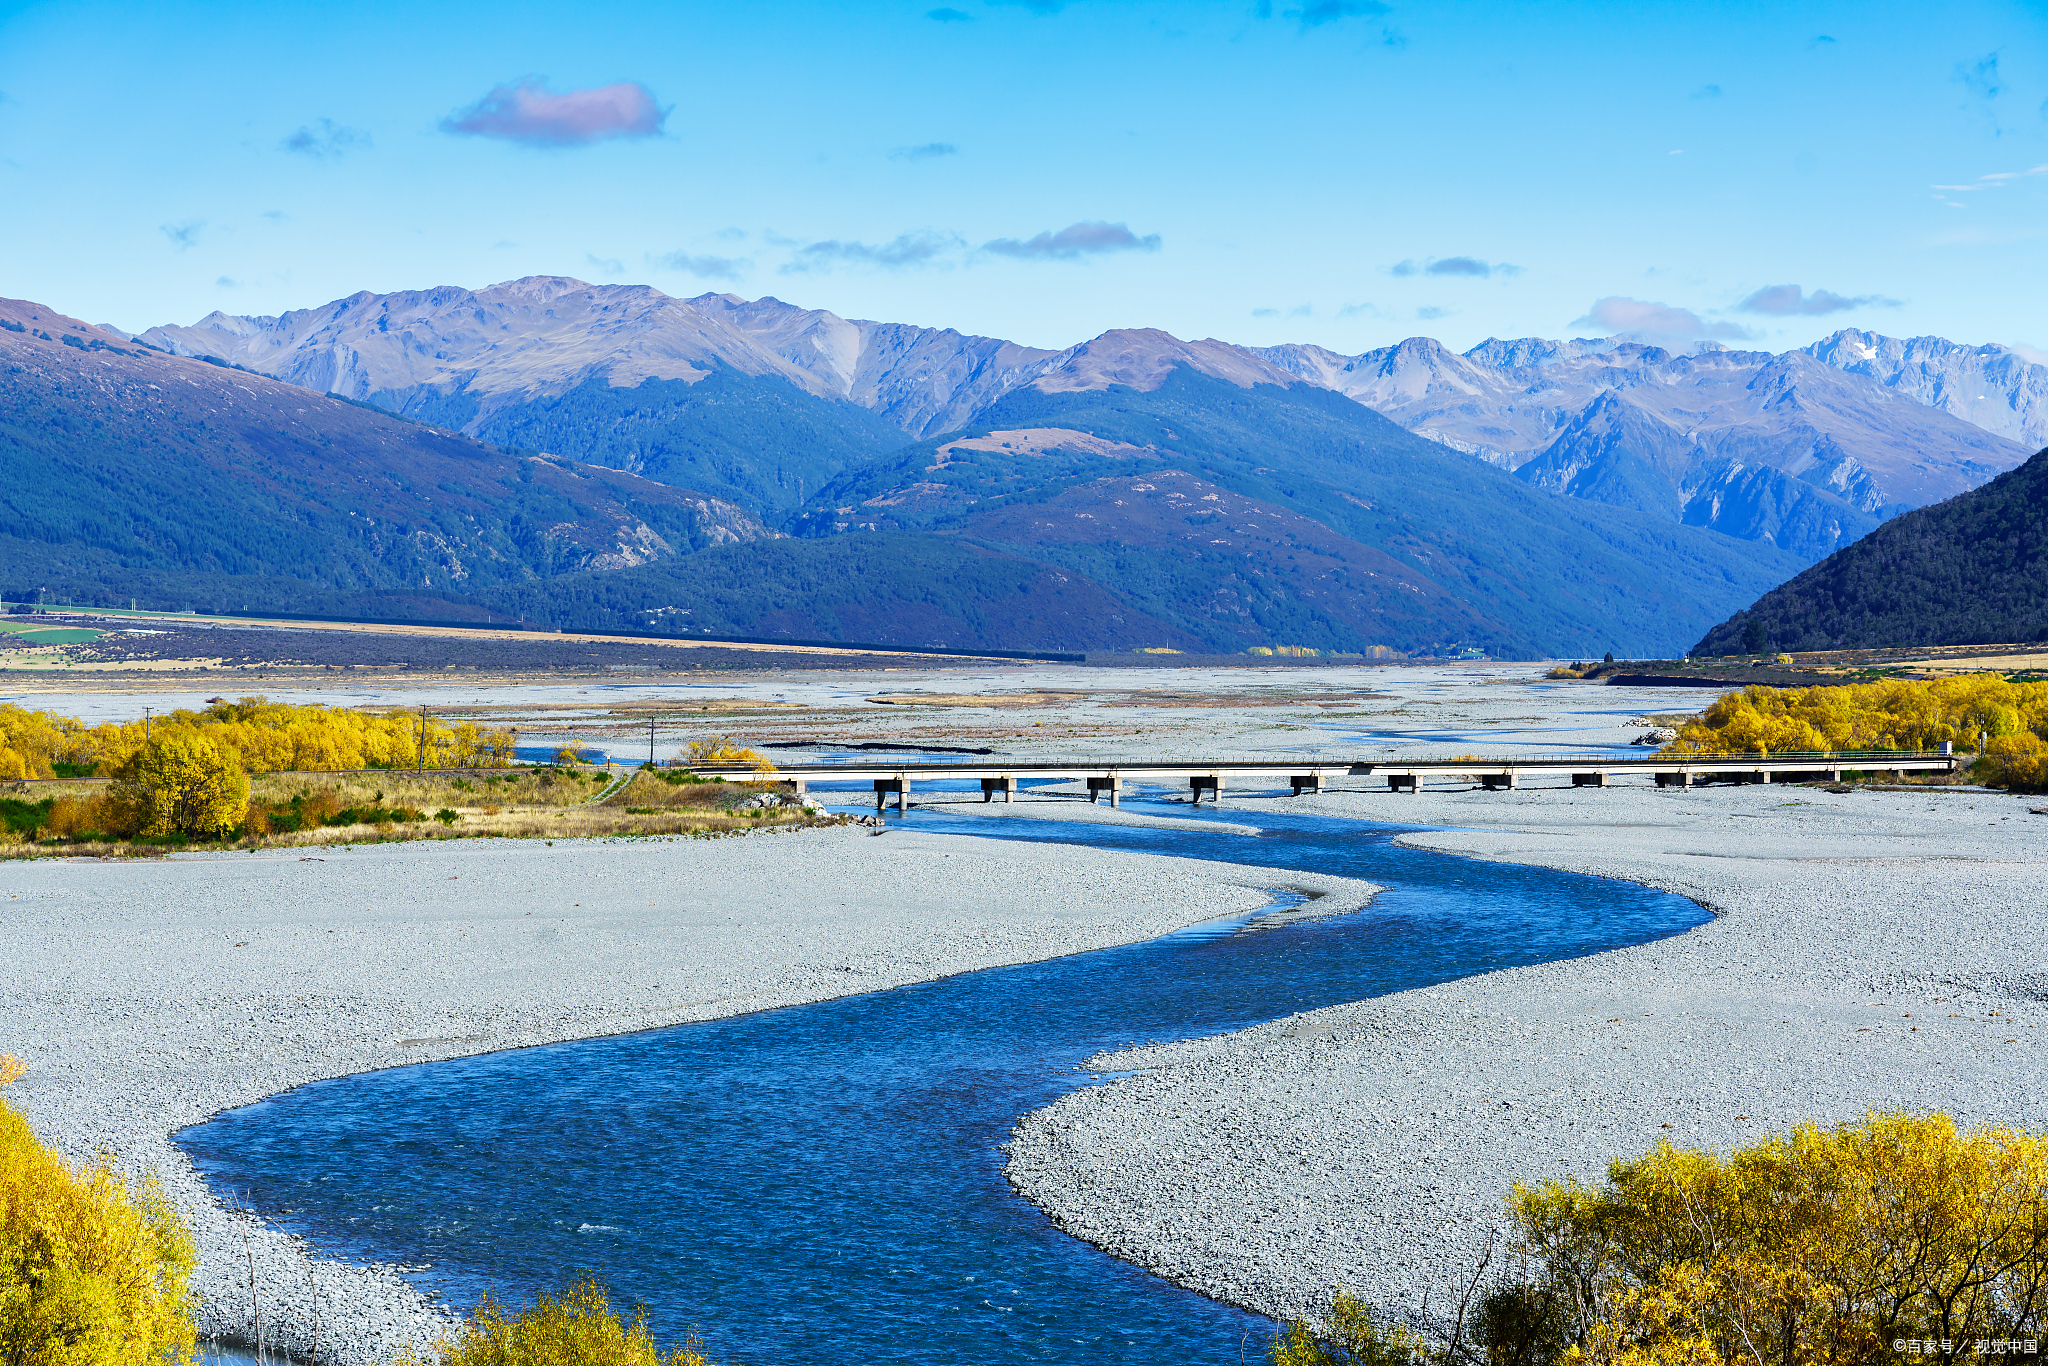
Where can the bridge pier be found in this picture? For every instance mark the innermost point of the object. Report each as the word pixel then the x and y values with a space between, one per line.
pixel 900 787
pixel 796 787
pixel 1211 783
pixel 1589 780
pixel 1306 782
pixel 1679 779
pixel 1498 782
pixel 1113 785
pixel 1403 782
pixel 1006 785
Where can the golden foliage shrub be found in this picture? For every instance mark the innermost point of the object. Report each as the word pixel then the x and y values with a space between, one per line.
pixel 1903 714
pixel 31 741
pixel 1827 1245
pixel 1352 1338
pixel 91 1273
pixel 723 751
pixel 576 1328
pixel 271 737
pixel 1898 1236
pixel 71 817
pixel 181 783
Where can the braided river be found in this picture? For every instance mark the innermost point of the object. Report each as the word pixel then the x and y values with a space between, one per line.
pixel 824 1183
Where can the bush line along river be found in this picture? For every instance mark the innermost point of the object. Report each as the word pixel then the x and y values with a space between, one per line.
pixel 824 1182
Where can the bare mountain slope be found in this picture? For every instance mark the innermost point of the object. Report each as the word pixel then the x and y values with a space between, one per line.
pixel 1993 387
pixel 147 473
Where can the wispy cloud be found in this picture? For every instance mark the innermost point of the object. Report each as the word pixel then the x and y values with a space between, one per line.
pixel 1981 77
pixel 604 265
pixel 703 267
pixel 1035 6
pixel 924 151
pixel 184 234
pixel 1657 323
pixel 1265 313
pixel 1996 179
pixel 1471 267
pixel 1316 13
pixel 907 251
pixel 1359 311
pixel 2030 353
pixel 1788 301
pixel 1707 92
pixel 1073 242
pixel 948 15
pixel 1429 313
pixel 227 282
pixel 530 113
pixel 1298 311
pixel 324 140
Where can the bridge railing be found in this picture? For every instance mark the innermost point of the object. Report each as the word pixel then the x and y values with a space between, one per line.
pixel 1849 759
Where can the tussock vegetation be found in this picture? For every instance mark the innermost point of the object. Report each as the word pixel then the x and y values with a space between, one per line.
pixel 92 1272
pixel 1897 1236
pixel 2009 720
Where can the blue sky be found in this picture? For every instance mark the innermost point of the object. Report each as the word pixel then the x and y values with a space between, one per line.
pixel 1337 171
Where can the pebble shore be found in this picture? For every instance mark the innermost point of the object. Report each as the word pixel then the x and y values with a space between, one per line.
pixel 165 991
pixel 1869 950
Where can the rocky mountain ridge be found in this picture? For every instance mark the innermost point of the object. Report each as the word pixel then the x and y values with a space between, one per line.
pixel 200 484
pixel 1805 450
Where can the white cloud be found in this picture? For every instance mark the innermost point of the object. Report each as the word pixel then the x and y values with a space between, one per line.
pixel 1657 324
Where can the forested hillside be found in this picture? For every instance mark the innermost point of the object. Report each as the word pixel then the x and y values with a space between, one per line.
pixel 1970 571
pixel 1488 561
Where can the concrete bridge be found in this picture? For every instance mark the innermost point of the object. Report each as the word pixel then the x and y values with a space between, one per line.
pixel 1495 774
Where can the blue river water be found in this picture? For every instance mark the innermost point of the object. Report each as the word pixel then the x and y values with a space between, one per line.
pixel 823 1183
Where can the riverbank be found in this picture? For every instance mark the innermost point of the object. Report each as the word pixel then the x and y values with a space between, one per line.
pixel 167 991
pixel 1870 949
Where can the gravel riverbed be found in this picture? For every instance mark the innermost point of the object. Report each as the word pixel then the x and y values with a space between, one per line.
pixel 148 995
pixel 1869 949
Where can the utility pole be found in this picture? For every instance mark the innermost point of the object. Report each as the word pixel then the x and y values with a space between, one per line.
pixel 423 742
pixel 650 742
pixel 145 725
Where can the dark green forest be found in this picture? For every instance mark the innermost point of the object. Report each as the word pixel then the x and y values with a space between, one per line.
pixel 1970 571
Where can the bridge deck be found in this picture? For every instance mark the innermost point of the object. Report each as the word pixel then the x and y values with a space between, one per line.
pixel 1399 773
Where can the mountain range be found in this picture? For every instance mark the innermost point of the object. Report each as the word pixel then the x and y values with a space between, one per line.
pixel 608 456
pixel 1805 451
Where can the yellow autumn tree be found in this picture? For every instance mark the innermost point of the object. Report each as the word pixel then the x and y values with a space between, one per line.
pixel 575 1328
pixel 1900 1236
pixel 719 751
pixel 271 737
pixel 181 783
pixel 1835 1246
pixel 31 741
pixel 2008 720
pixel 91 1273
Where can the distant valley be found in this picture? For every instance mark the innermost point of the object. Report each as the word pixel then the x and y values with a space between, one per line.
pixel 718 465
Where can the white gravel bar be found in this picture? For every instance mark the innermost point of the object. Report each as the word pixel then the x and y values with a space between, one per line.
pixel 147 995
pixel 1869 950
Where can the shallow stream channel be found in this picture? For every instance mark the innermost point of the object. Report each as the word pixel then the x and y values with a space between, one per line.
pixel 824 1183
